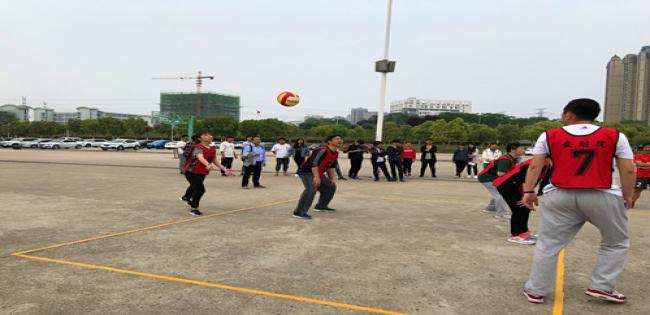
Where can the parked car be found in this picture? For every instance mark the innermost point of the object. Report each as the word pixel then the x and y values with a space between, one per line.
pixel 529 151
pixel 239 145
pixel 158 144
pixel 143 143
pixel 121 144
pixel 16 143
pixel 61 144
pixel 215 144
pixel 171 145
pixel 92 143
pixel 34 144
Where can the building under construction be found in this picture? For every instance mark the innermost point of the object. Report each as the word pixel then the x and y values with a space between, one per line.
pixel 200 105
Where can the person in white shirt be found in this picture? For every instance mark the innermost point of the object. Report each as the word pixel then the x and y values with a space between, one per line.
pixel 282 151
pixel 180 147
pixel 228 155
pixel 490 155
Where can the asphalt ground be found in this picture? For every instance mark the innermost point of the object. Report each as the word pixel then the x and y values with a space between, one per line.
pixel 104 233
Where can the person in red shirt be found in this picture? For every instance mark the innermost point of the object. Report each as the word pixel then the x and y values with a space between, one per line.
pixel 642 162
pixel 408 155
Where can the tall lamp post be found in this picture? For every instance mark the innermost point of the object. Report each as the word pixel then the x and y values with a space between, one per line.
pixel 384 67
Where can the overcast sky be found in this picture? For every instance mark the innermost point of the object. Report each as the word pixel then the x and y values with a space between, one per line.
pixel 509 56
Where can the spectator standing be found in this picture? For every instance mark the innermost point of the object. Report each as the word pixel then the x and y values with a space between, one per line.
pixel 460 159
pixel 583 188
pixel 355 154
pixel 249 140
pixel 642 161
pixel 378 160
pixel 255 156
pixel 474 159
pixel 408 155
pixel 228 155
pixel 428 158
pixel 282 152
pixel 496 169
pixel 300 151
pixel 394 153
pixel 490 154
pixel 180 149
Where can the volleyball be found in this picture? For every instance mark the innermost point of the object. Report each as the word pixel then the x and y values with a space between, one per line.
pixel 288 99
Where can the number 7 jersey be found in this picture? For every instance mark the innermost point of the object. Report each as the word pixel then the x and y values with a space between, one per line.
pixel 582 161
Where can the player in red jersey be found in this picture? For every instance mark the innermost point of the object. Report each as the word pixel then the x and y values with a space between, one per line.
pixel 582 189
pixel 642 161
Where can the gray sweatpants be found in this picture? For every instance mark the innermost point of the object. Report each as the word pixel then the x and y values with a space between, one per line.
pixel 563 212
pixel 496 203
pixel 326 190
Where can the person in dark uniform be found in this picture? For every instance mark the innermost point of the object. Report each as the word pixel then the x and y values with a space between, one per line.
pixel 378 160
pixel 428 158
pixel 394 153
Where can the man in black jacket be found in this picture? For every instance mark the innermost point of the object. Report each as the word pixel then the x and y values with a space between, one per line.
pixel 378 160
pixel 428 158
pixel 355 154
pixel 394 153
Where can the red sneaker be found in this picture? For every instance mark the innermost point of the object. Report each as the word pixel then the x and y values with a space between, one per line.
pixel 606 296
pixel 532 298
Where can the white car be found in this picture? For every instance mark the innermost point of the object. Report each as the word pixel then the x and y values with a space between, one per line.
pixel 93 143
pixel 121 144
pixel 215 144
pixel 34 144
pixel 16 142
pixel 61 144
pixel 171 145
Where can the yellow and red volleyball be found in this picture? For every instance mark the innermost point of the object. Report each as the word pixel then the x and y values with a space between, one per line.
pixel 288 99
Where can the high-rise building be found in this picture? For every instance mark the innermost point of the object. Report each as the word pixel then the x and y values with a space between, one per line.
pixel 627 91
pixel 20 111
pixel 415 106
pixel 358 114
pixel 211 104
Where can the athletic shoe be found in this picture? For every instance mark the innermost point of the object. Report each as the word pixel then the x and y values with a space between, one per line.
pixel 469 176
pixel 196 212
pixel 614 296
pixel 503 217
pixel 475 176
pixel 342 178
pixel 488 211
pixel 532 298
pixel 401 180
pixel 392 180
pixel 260 186
pixel 184 200
pixel 244 187
pixel 530 235
pixel 421 175
pixel 326 209
pixel 376 179
pixel 521 239
pixel 302 216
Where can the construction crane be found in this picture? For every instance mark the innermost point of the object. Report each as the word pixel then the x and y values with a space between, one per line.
pixel 199 82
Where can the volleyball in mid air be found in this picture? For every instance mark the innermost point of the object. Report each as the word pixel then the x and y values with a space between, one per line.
pixel 288 99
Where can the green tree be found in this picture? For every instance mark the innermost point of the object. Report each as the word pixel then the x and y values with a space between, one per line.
pixel 481 133
pixel 507 133
pixel 110 127
pixel 219 126
pixel 74 127
pixel 7 117
pixel 90 128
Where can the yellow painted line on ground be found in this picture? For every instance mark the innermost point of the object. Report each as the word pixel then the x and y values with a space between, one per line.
pixel 147 228
pixel 558 304
pixel 212 285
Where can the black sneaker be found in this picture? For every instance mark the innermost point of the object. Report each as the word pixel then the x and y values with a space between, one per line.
pixel 302 216
pixel 185 200
pixel 376 179
pixel 325 209
pixel 401 179
pixel 260 186
pixel 342 178
pixel 196 212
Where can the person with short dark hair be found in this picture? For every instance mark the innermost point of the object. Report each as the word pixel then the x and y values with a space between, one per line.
pixel 583 188
pixel 198 166
pixel 642 161
pixel 249 140
pixel 321 160
pixel 180 147
pixel 378 160
pixel 299 151
pixel 228 154
pixel 496 169
pixel 408 156
pixel 394 153
pixel 255 159
pixel 490 154
pixel 282 151
pixel 428 158
pixel 473 160
pixel 460 158
pixel 355 154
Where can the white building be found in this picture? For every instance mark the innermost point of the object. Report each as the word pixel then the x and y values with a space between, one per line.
pixel 20 111
pixel 415 106
pixel 43 114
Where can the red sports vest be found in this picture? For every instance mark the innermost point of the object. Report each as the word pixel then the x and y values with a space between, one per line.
pixel 582 161
pixel 500 180
pixel 327 161
pixel 494 163
pixel 208 153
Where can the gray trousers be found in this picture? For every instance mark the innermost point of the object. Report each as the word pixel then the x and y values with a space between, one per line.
pixel 563 212
pixel 496 203
pixel 326 190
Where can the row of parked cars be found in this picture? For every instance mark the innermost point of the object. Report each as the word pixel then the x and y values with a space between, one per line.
pixel 79 143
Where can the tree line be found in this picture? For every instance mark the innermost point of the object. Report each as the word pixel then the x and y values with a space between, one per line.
pixel 446 128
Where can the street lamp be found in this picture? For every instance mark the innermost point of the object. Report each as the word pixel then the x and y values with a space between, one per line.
pixel 384 67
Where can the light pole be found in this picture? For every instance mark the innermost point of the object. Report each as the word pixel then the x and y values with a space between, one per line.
pixel 384 67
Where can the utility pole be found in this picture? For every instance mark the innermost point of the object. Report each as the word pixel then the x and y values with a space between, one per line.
pixel 384 67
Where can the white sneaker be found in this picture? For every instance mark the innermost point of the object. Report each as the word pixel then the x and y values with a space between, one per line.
pixel 488 211
pixel 469 176
pixel 475 176
pixel 504 217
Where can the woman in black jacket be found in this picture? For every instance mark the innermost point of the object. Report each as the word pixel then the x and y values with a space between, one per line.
pixel 428 158
pixel 378 160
